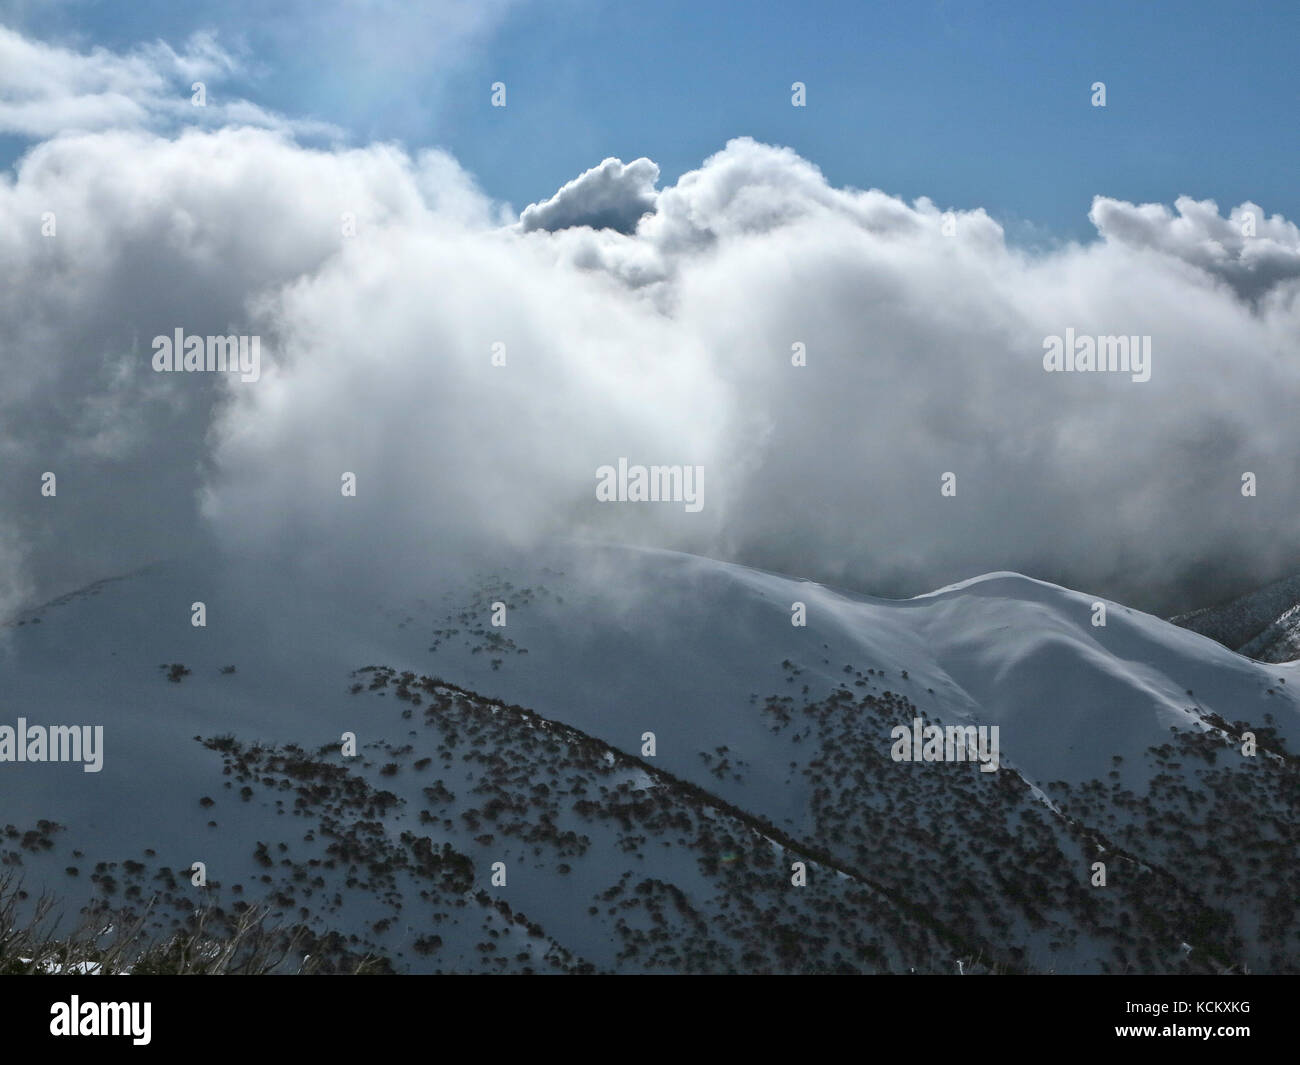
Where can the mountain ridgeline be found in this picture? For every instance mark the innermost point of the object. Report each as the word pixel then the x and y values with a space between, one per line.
pixel 600 759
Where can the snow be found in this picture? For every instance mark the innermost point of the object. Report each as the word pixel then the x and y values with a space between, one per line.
pixel 644 640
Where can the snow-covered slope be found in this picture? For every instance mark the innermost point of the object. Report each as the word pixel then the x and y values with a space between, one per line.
pixel 1263 624
pixel 526 744
pixel 1280 642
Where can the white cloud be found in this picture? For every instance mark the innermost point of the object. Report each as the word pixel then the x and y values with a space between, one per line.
pixel 1250 250
pixel 668 344
pixel 46 90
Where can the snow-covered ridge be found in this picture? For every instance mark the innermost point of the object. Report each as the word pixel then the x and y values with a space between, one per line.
pixel 1263 624
pixel 773 723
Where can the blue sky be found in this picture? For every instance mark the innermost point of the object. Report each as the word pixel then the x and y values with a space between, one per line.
pixel 971 104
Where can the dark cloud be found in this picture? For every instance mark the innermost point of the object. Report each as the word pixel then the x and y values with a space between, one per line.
pixel 610 196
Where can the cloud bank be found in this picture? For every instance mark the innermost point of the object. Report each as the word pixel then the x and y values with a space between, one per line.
pixel 474 369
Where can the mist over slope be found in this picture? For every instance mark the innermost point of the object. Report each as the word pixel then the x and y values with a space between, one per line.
pixel 525 744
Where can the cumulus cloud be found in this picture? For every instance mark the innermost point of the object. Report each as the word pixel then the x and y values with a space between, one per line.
pixel 610 196
pixel 1249 250
pixel 665 338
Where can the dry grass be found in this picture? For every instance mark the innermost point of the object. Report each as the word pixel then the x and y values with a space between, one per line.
pixel 111 943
